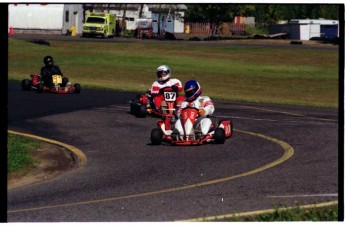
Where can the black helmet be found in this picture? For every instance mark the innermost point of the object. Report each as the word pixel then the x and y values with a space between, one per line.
pixel 48 61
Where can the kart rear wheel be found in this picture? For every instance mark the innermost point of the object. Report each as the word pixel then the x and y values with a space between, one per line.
pixel 40 88
pixel 77 88
pixel 132 107
pixel 26 84
pixel 219 136
pixel 141 111
pixel 156 136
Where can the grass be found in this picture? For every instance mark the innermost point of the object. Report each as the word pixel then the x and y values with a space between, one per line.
pixel 280 75
pixel 296 213
pixel 19 153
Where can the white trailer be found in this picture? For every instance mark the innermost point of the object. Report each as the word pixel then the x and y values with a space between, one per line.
pixel 306 29
pixel 171 22
pixel 45 18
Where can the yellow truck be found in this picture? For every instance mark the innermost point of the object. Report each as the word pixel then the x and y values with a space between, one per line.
pixel 99 24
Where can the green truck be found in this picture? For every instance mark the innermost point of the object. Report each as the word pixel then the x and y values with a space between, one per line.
pixel 99 24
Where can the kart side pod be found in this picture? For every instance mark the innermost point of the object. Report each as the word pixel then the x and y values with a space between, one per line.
pixel 35 79
pixel 226 124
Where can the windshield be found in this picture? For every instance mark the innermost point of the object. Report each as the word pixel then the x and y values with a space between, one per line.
pixel 97 20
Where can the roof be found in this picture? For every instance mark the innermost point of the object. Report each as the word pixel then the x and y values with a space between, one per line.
pixel 314 21
pixel 118 6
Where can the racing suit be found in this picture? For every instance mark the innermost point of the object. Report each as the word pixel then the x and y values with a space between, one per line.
pixel 206 107
pixel 47 72
pixel 157 86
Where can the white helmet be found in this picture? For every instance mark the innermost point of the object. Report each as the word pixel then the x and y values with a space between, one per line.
pixel 163 77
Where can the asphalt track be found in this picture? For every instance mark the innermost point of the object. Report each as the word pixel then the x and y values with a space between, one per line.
pixel 278 156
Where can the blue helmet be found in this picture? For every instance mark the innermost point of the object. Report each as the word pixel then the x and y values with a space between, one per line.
pixel 192 90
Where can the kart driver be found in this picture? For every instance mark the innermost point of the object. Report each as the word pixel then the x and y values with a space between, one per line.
pixel 164 80
pixel 50 69
pixel 204 104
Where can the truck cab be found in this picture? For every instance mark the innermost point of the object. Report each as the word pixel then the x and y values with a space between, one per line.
pixel 99 24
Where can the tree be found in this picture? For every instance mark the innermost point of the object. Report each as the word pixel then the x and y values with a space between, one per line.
pixel 264 14
pixel 123 24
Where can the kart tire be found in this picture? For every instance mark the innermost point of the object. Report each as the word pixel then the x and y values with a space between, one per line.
pixel 156 136
pixel 138 109
pixel 77 88
pixel 40 88
pixel 219 136
pixel 26 84
pixel 141 111
pixel 132 107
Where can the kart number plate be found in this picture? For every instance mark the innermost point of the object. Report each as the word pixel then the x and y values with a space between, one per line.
pixel 57 79
pixel 169 96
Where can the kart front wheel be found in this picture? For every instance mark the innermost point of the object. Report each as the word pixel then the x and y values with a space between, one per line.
pixel 219 136
pixel 77 88
pixel 156 136
pixel 40 88
pixel 26 84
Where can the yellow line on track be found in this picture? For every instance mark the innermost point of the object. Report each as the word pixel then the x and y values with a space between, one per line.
pixel 288 152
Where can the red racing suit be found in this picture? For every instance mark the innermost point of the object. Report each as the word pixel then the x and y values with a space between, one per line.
pixel 157 86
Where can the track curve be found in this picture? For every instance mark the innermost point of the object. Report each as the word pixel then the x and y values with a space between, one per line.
pixel 275 157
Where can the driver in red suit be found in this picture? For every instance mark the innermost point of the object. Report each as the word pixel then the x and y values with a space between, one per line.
pixel 164 80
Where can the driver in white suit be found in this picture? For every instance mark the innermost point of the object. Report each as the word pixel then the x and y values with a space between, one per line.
pixel 204 105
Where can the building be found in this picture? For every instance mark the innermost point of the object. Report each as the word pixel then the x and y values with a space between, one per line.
pixel 45 18
pixel 306 29
pixel 171 15
pixel 170 22
pixel 244 20
pixel 58 18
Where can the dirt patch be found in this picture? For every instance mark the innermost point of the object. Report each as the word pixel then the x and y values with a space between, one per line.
pixel 50 161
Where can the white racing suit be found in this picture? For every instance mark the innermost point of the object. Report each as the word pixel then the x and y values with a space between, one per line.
pixel 201 123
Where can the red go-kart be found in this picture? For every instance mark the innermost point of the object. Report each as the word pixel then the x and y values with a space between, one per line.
pixel 141 106
pixel 36 83
pixel 220 130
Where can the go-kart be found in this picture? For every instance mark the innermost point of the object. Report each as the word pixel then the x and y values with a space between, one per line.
pixel 218 133
pixel 36 83
pixel 143 104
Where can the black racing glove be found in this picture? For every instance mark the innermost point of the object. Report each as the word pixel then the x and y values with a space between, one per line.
pixel 175 88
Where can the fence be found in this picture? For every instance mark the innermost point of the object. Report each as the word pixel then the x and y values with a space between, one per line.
pixel 210 28
pixel 198 28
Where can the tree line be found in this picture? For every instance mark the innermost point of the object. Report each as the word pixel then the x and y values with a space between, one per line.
pixel 264 14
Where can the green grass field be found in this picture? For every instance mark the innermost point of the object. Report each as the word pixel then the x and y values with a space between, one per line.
pixel 294 76
pixel 19 150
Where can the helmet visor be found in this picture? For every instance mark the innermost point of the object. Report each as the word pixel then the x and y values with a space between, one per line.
pixel 189 92
pixel 161 73
pixel 48 61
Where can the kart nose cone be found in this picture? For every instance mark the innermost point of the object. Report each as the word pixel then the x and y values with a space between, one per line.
pixel 188 126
